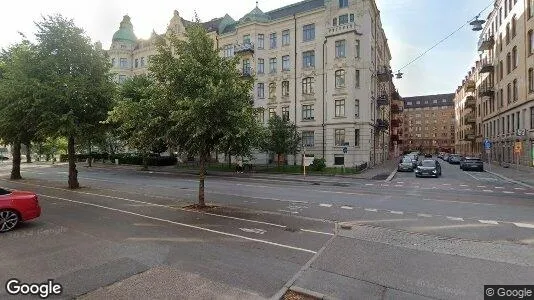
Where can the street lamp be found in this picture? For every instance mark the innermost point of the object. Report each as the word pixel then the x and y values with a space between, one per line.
pixel 477 24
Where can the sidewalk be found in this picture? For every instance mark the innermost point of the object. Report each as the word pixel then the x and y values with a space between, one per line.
pixel 523 176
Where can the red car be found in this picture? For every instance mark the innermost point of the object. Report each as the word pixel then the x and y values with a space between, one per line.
pixel 16 207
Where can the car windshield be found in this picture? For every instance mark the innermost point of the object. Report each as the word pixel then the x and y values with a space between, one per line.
pixel 406 160
pixel 473 159
pixel 4 191
pixel 428 163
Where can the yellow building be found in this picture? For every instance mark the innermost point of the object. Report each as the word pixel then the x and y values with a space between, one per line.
pixel 325 65
pixel 467 132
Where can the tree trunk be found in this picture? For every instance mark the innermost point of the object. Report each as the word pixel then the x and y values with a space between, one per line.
pixel 202 176
pixel 278 160
pixel 229 160
pixel 15 170
pixel 90 157
pixel 145 161
pixel 73 173
pixel 28 153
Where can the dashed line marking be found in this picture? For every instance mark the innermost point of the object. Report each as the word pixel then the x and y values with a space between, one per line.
pixel 488 191
pixel 346 207
pixel 318 232
pixel 524 225
pixel 467 190
pixel 385 185
pixel 499 187
pixel 463 185
pixel 508 192
pixel 481 186
pixel 325 205
pixel 398 185
pixel 455 218
pixel 396 212
pixel 400 181
pixel 371 209
pixel 369 184
pixel 446 184
pixel 489 222
pixel 529 193
pixel 424 215
pixel 521 189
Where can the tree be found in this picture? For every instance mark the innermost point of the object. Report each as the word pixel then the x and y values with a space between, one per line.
pixel 282 137
pixel 139 116
pixel 19 98
pixel 208 99
pixel 77 84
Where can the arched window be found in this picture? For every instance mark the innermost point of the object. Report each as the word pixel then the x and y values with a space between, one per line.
pixel 508 63
pixel 530 42
pixel 307 85
pixel 340 78
pixel 515 93
pixel 272 90
pixel 509 93
pixel 530 80
pixel 514 57
pixel 513 27
pixel 507 33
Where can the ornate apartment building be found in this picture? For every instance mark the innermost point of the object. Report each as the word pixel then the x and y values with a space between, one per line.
pixel 324 65
pixel 502 85
pixel 429 123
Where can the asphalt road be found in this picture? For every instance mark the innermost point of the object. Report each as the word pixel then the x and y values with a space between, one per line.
pixel 259 235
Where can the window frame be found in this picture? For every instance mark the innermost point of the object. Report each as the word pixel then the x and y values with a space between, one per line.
pixel 339 108
pixel 307 85
pixel 340 48
pixel 356 108
pixel 286 38
pixel 308 32
pixel 339 78
pixel 307 112
pixel 261 41
pixel 308 56
pixel 285 88
pixel 339 137
pixel 260 87
pixel 261 66
pixel 286 63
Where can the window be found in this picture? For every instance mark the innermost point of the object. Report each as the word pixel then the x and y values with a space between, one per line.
pixel 308 32
pixel 142 61
pixel 356 108
pixel 307 112
pixel 261 41
pixel 285 63
pixel 340 108
pixel 505 8
pixel 246 39
pixel 500 15
pixel 307 85
pixel 514 57
pixel 530 42
pixel 272 112
pixel 308 138
pixel 285 113
pixel 501 99
pixel 246 67
pixel 122 78
pixel 124 63
pixel 113 62
pixel 285 88
pixel 272 40
pixel 261 65
pixel 351 18
pixel 137 63
pixel 340 48
pixel 515 90
pixel 501 70
pixel 285 37
pixel 530 80
pixel 272 90
pixel 532 117
pixel 530 8
pixel 228 51
pixel 509 93
pixel 513 27
pixel 508 63
pixel 507 37
pixel 339 160
pixel 272 65
pixel 357 48
pixel 339 137
pixel 343 19
pixel 261 116
pixel 500 42
pixel 356 137
pixel 334 22
pixel 510 5
pixel 123 46
pixel 343 3
pixel 261 90
pixel 308 59
pixel 340 78
pixel 357 79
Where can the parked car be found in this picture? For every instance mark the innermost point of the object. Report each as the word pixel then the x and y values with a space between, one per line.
pixel 446 156
pixel 16 207
pixel 428 155
pixel 454 159
pixel 414 158
pixel 4 157
pixel 441 154
pixel 472 163
pixel 405 164
pixel 428 167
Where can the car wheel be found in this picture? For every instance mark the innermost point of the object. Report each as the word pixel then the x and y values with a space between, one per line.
pixel 8 220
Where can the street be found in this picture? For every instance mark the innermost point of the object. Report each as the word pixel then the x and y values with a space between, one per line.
pixel 129 234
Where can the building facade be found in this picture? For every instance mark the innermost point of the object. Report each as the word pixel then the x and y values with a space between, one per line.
pixel 467 116
pixel 429 123
pixel 324 65
pixel 505 84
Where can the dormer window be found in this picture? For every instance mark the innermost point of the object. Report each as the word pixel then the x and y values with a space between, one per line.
pixel 123 46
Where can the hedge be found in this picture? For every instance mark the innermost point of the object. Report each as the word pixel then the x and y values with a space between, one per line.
pixel 126 158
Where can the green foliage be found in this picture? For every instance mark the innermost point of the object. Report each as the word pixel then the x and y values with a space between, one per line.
pixel 282 137
pixel 319 164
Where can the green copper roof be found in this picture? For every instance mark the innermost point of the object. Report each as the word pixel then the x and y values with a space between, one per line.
pixel 256 15
pixel 125 32
pixel 225 22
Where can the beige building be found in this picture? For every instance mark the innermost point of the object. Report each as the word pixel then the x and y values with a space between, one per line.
pixel 505 83
pixel 322 64
pixel 466 116
pixel 429 123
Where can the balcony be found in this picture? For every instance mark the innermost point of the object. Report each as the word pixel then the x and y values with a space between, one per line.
pixel 395 109
pixel 382 100
pixel 384 74
pixel 247 72
pixel 343 28
pixel 470 86
pixel 486 91
pixel 486 43
pixel 470 101
pixel 395 95
pixel 381 124
pixel 486 65
pixel 244 48
pixel 470 118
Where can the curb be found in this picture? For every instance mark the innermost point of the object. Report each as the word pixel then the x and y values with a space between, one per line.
pixel 307 292
pixel 390 177
pixel 510 179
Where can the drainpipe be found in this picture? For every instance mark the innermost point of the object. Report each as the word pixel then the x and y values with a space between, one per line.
pixel 324 92
pixel 295 74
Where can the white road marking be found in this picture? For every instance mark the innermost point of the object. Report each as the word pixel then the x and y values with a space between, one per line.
pixel 529 193
pixel 369 184
pixel 396 212
pixel 488 191
pixel 288 211
pixel 481 186
pixel 346 207
pixel 455 219
pixel 463 185
pixel 521 189
pixel 424 215
pixel 385 185
pixel 325 205
pixel 398 185
pixel 524 225
pixel 318 232
pixel 471 176
pixel 400 181
pixel 446 184
pixel 184 225
pixel 371 209
pixel 508 192
pixel 467 190
pixel 253 230
pixel 499 187
pixel 489 222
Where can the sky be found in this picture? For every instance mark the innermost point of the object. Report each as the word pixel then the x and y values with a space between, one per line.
pixel 411 26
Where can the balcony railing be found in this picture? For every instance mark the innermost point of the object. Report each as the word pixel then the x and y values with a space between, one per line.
pixel 470 86
pixel 384 74
pixel 247 72
pixel 343 28
pixel 470 118
pixel 470 101
pixel 486 65
pixel 381 124
pixel 382 100
pixel 486 43
pixel 244 48
pixel 486 91
pixel 395 109
pixel 395 95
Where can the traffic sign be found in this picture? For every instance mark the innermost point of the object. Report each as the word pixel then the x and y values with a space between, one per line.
pixel 487 144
